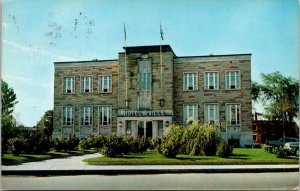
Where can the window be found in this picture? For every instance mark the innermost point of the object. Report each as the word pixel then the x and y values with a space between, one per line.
pixel 190 112
pixel 211 113
pixel 145 75
pixel 128 127
pixel 254 137
pixel 105 83
pixel 211 80
pixel 233 80
pixel 68 115
pixel 86 115
pixel 69 85
pixel 104 113
pixel 190 81
pixel 86 84
pixel 160 128
pixel 233 114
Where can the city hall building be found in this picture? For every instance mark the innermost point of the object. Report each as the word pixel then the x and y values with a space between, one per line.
pixel 148 88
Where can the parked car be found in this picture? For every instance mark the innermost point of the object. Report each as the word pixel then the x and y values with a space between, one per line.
pixel 292 147
pixel 282 141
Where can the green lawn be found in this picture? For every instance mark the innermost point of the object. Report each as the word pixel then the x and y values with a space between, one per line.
pixel 10 159
pixel 240 156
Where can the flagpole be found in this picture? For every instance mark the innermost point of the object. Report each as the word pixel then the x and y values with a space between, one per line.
pixel 161 66
pixel 126 75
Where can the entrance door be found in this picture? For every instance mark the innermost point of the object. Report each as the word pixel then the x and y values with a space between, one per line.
pixel 149 129
pixel 145 128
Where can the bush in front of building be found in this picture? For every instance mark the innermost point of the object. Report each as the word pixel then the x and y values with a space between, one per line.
pixel 66 144
pixel 224 150
pixel 281 152
pixel 92 142
pixel 114 146
pixel 267 148
pixel 171 144
pixel 155 143
pixel 16 145
pixel 137 144
pixel 199 139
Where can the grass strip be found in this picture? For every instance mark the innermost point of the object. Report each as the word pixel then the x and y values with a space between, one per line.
pixel 240 156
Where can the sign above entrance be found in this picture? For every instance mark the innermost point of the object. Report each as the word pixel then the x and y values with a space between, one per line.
pixel 133 113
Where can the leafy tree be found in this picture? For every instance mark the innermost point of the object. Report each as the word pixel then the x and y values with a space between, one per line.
pixel 8 99
pixel 48 122
pixel 45 124
pixel 280 94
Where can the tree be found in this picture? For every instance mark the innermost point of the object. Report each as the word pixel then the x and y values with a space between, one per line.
pixel 46 123
pixel 8 99
pixel 280 94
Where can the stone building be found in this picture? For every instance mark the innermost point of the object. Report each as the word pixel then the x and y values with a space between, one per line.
pixel 148 88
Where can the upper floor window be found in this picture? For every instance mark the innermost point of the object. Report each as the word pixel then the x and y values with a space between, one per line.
pixel 86 84
pixel 105 83
pixel 86 115
pixel 211 80
pixel 68 115
pixel 233 114
pixel 144 75
pixel 190 81
pixel 211 113
pixel 104 115
pixel 190 113
pixel 233 80
pixel 69 85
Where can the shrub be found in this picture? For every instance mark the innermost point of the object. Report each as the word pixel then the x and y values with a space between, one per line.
pixel 114 146
pixel 72 142
pixel 94 141
pixel 16 145
pixel 224 150
pixel 281 152
pixel 155 143
pixel 171 144
pixel 200 139
pixel 267 148
pixel 60 144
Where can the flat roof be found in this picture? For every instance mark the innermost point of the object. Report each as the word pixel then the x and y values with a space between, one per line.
pixel 83 61
pixel 147 49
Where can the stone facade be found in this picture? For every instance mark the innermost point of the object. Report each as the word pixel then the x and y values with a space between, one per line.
pixel 155 88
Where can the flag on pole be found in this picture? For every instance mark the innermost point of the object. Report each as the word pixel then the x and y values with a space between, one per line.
pixel 124 31
pixel 161 33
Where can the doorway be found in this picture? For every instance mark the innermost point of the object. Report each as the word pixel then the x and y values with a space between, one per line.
pixel 145 128
pixel 149 129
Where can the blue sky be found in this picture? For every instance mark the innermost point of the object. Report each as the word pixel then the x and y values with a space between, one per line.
pixel 36 33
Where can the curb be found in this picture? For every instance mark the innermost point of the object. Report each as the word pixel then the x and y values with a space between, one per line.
pixel 140 171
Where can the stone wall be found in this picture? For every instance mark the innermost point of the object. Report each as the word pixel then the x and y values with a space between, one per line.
pixel 78 99
pixel 222 96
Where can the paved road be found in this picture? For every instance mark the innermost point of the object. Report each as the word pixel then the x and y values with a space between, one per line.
pixel 195 181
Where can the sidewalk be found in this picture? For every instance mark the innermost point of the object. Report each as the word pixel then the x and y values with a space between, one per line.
pixel 75 166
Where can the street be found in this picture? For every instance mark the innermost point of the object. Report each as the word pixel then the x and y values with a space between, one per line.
pixel 190 181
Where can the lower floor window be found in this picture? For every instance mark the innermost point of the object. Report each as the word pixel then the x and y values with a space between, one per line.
pixel 68 115
pixel 233 114
pixel 160 128
pixel 104 115
pixel 86 115
pixel 128 127
pixel 211 113
pixel 190 113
